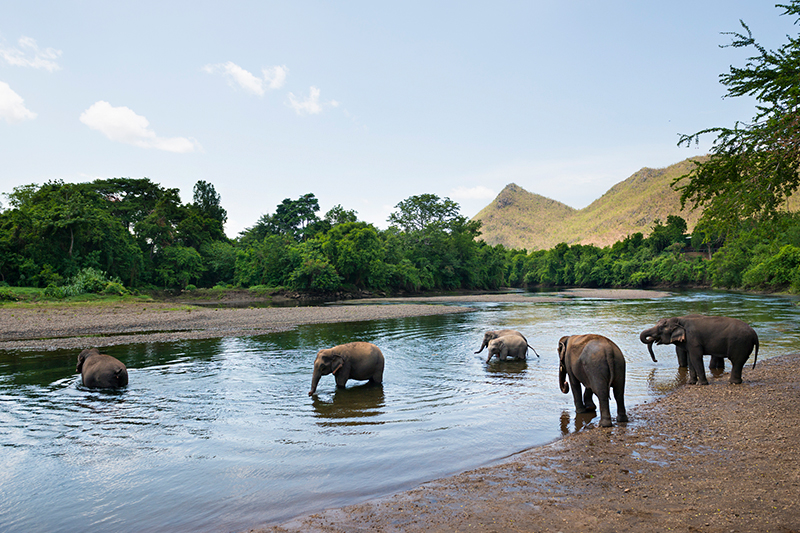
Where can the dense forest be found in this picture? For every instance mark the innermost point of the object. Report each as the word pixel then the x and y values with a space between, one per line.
pixel 126 234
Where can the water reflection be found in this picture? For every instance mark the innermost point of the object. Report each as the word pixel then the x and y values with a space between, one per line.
pixel 351 406
pixel 507 369
pixel 582 420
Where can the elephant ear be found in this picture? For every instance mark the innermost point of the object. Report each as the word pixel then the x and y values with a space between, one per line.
pixel 678 335
pixel 337 361
pixel 562 347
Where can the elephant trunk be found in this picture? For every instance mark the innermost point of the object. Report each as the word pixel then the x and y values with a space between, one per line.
pixel 483 345
pixel 315 382
pixel 648 339
pixel 562 378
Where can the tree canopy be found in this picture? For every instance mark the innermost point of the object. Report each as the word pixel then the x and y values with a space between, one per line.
pixel 753 166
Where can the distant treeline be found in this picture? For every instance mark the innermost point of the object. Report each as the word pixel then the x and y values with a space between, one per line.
pixel 121 234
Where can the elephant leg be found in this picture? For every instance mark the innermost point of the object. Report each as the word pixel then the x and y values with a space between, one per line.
pixel 577 396
pixel 341 379
pixel 605 409
pixel 619 398
pixel 588 402
pixel 717 362
pixel 692 376
pixel 696 365
pixel 736 371
pixel 683 356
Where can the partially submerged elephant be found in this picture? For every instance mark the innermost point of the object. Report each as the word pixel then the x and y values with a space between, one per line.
pixel 354 360
pixel 697 335
pixel 494 334
pixel 101 371
pixel 508 346
pixel 596 363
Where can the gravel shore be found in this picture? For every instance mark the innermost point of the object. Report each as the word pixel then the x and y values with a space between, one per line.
pixel 81 326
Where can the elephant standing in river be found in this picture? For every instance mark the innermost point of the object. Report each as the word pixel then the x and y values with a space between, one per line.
pixel 354 360
pixel 101 371
pixel 596 363
pixel 513 346
pixel 697 335
pixel 494 334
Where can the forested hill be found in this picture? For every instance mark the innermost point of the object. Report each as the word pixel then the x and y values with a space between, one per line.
pixel 520 219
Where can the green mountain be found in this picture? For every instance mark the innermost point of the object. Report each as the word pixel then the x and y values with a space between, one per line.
pixel 520 219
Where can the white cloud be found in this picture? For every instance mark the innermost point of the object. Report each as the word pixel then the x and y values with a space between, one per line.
pixel 29 55
pixel 12 106
pixel 310 105
pixel 121 124
pixel 475 193
pixel 274 77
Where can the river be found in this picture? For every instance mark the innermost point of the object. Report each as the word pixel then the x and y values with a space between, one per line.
pixel 221 435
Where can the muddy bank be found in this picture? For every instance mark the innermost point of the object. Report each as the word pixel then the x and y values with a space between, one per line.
pixel 714 458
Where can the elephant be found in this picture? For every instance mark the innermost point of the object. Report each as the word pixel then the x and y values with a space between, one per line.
pixel 683 357
pixel 595 362
pixel 101 371
pixel 697 335
pixel 513 346
pixel 493 334
pixel 354 360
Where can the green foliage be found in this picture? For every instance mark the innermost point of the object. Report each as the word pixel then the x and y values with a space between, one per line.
pixel 94 235
pixel 753 166
pixel 86 281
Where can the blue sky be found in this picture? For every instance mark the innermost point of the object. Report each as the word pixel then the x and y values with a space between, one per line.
pixel 365 103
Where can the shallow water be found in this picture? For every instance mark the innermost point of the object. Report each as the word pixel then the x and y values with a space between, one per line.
pixel 221 435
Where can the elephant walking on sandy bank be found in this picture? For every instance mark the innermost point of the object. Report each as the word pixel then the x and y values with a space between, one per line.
pixel 697 335
pixel 354 360
pixel 101 371
pixel 596 363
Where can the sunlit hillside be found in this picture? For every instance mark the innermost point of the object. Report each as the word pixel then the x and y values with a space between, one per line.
pixel 520 219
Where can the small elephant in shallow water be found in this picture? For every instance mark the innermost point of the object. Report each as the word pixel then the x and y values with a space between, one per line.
pixel 354 360
pixel 596 363
pixel 494 334
pixel 101 371
pixel 697 335
pixel 508 346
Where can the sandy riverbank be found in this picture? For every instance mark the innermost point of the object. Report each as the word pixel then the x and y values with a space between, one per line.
pixel 77 326
pixel 719 458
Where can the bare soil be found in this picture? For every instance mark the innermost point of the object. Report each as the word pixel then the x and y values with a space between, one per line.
pixel 716 458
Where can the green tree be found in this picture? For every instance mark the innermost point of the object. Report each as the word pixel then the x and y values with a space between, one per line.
pixel 419 213
pixel 753 166
pixel 209 202
pixel 296 218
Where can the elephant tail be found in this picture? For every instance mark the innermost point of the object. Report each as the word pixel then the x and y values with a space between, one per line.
pixel 534 349
pixel 610 361
pixel 756 357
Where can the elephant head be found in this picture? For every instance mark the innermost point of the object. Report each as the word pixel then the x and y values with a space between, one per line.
pixel 487 338
pixel 666 331
pixel 82 357
pixel 327 362
pixel 562 368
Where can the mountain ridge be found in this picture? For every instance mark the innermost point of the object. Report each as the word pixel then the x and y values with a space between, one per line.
pixel 517 218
